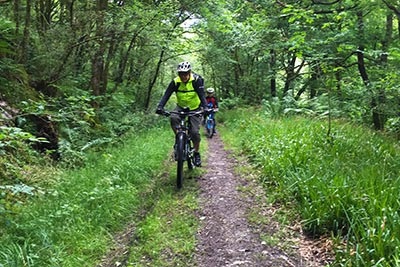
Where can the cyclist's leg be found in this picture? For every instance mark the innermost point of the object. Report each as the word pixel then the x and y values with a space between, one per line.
pixel 175 120
pixel 194 130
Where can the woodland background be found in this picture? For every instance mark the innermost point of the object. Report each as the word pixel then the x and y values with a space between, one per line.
pixel 78 76
pixel 71 70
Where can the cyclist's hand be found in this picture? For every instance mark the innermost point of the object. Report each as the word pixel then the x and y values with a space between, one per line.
pixel 160 111
pixel 208 111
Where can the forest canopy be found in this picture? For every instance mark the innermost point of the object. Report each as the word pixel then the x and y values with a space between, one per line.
pixel 71 70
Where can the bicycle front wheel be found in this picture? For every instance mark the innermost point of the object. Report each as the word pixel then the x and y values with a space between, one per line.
pixel 180 150
pixel 210 128
pixel 189 156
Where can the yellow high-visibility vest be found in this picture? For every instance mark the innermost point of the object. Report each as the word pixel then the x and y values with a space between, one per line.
pixel 186 95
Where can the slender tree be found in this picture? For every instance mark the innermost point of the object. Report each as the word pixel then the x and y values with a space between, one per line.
pixel 98 81
pixel 27 32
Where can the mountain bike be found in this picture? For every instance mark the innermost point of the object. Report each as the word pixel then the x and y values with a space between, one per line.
pixel 183 147
pixel 210 122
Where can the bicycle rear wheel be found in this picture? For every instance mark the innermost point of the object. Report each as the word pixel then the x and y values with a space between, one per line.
pixel 180 150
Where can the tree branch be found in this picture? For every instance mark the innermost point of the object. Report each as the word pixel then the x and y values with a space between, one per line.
pixel 317 2
pixel 392 7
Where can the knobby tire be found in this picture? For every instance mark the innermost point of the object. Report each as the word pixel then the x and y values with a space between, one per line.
pixel 210 128
pixel 180 151
pixel 190 156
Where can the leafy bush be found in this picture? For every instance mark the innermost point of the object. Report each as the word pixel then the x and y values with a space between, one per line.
pixel 230 102
pixel 16 155
pixel 15 152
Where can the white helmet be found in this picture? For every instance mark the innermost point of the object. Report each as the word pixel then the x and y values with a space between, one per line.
pixel 210 90
pixel 183 67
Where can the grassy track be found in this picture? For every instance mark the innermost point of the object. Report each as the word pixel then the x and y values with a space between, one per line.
pixel 71 223
pixel 166 237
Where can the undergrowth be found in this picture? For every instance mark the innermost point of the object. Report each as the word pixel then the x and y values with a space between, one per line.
pixel 71 218
pixel 69 221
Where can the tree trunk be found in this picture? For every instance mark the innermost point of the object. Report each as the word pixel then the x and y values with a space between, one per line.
pixel 361 65
pixel 338 77
pixel 272 65
pixel 153 81
pixel 396 11
pixel 289 74
pixel 360 51
pixel 98 81
pixel 237 73
pixel 375 102
pixel 26 37
pixel 379 113
pixel 44 9
pixel 17 5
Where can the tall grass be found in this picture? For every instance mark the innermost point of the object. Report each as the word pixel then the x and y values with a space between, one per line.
pixel 346 185
pixel 71 223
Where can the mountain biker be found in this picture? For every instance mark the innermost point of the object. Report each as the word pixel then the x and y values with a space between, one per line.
pixel 212 102
pixel 189 89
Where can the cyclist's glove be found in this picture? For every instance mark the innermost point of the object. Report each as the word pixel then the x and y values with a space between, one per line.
pixel 160 111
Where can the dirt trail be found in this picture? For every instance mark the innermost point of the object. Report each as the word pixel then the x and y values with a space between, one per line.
pixel 226 238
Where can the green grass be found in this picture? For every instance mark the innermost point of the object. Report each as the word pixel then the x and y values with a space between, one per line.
pixel 73 220
pixel 71 223
pixel 346 185
pixel 167 236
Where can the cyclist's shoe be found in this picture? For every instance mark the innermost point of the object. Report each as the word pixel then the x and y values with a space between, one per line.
pixel 197 159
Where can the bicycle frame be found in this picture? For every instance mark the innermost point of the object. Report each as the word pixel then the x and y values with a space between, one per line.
pixel 183 148
pixel 210 124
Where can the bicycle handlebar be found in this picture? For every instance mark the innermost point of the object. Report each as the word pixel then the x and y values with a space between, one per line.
pixel 182 113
